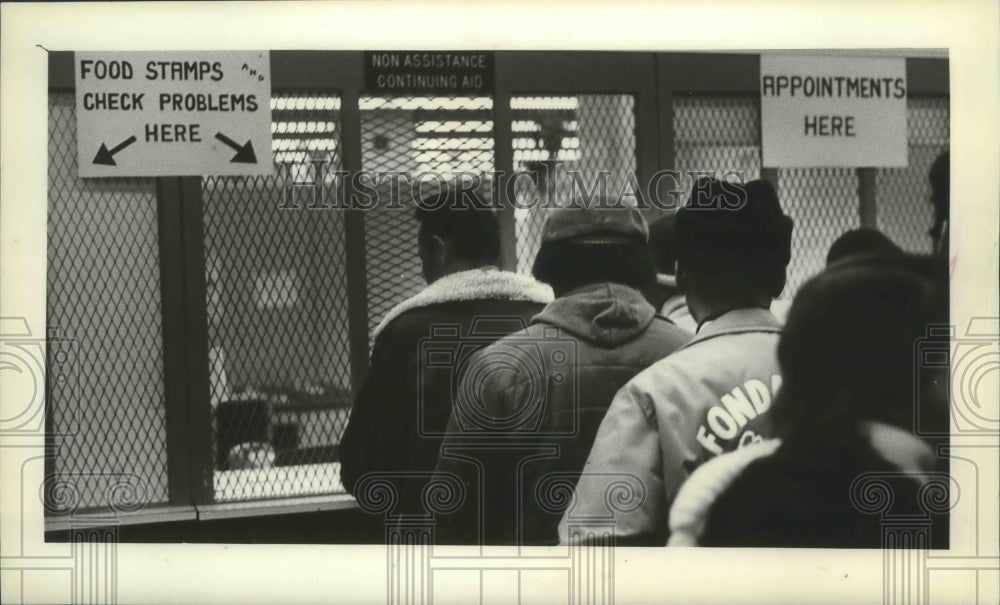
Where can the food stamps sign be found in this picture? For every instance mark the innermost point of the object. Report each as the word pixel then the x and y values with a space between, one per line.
pixel 173 113
pixel 832 111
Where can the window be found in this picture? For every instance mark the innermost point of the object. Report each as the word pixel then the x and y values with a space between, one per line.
pixel 277 313
pixel 560 136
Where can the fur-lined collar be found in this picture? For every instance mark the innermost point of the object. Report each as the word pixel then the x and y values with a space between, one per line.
pixel 476 284
pixel 689 511
pixel 910 454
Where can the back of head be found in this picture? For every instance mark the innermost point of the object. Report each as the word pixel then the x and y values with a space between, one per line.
pixel 734 239
pixel 940 181
pixel 861 241
pixel 471 231
pixel 847 348
pixel 587 244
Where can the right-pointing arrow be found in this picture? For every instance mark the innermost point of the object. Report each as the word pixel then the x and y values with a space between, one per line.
pixel 244 153
pixel 106 156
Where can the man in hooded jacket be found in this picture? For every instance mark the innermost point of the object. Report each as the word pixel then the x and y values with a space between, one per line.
pixel 531 403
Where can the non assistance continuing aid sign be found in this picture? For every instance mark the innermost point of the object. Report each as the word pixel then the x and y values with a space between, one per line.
pixel 422 72
pixel 173 113
pixel 820 110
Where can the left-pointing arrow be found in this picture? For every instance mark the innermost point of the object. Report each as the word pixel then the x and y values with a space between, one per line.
pixel 107 156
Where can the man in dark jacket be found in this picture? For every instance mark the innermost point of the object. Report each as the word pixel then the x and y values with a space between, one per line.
pixel 402 409
pixel 527 413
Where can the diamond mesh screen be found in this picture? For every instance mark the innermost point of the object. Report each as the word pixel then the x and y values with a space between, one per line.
pixel 715 135
pixel 823 202
pixel 277 312
pixel 587 135
pixel 103 292
pixel 443 135
pixel 904 210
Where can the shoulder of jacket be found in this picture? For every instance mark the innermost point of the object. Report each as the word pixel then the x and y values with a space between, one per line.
pixel 665 325
pixel 410 321
pixel 501 355
pixel 722 339
pixel 666 384
pixel 446 313
pixel 646 388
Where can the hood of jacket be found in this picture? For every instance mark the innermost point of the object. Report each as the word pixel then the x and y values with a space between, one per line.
pixel 605 314
pixel 488 283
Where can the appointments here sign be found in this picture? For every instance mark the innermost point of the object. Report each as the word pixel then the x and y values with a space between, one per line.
pixel 173 113
pixel 832 111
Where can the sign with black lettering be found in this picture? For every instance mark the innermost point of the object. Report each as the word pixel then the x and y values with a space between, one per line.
pixel 820 110
pixel 427 72
pixel 173 113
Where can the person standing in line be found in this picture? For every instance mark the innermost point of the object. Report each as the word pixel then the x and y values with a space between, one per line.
pixel 713 394
pixel 846 412
pixel 403 406
pixel 531 408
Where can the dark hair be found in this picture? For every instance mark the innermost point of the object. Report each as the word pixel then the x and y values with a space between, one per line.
pixel 861 241
pixel 735 282
pixel 566 265
pixel 940 180
pixel 847 351
pixel 472 232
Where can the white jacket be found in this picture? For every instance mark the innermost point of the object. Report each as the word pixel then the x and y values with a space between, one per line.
pixel 710 396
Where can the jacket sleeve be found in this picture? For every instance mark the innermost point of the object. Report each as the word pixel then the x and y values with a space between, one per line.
pixel 374 422
pixel 462 524
pixel 487 471
pixel 622 478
